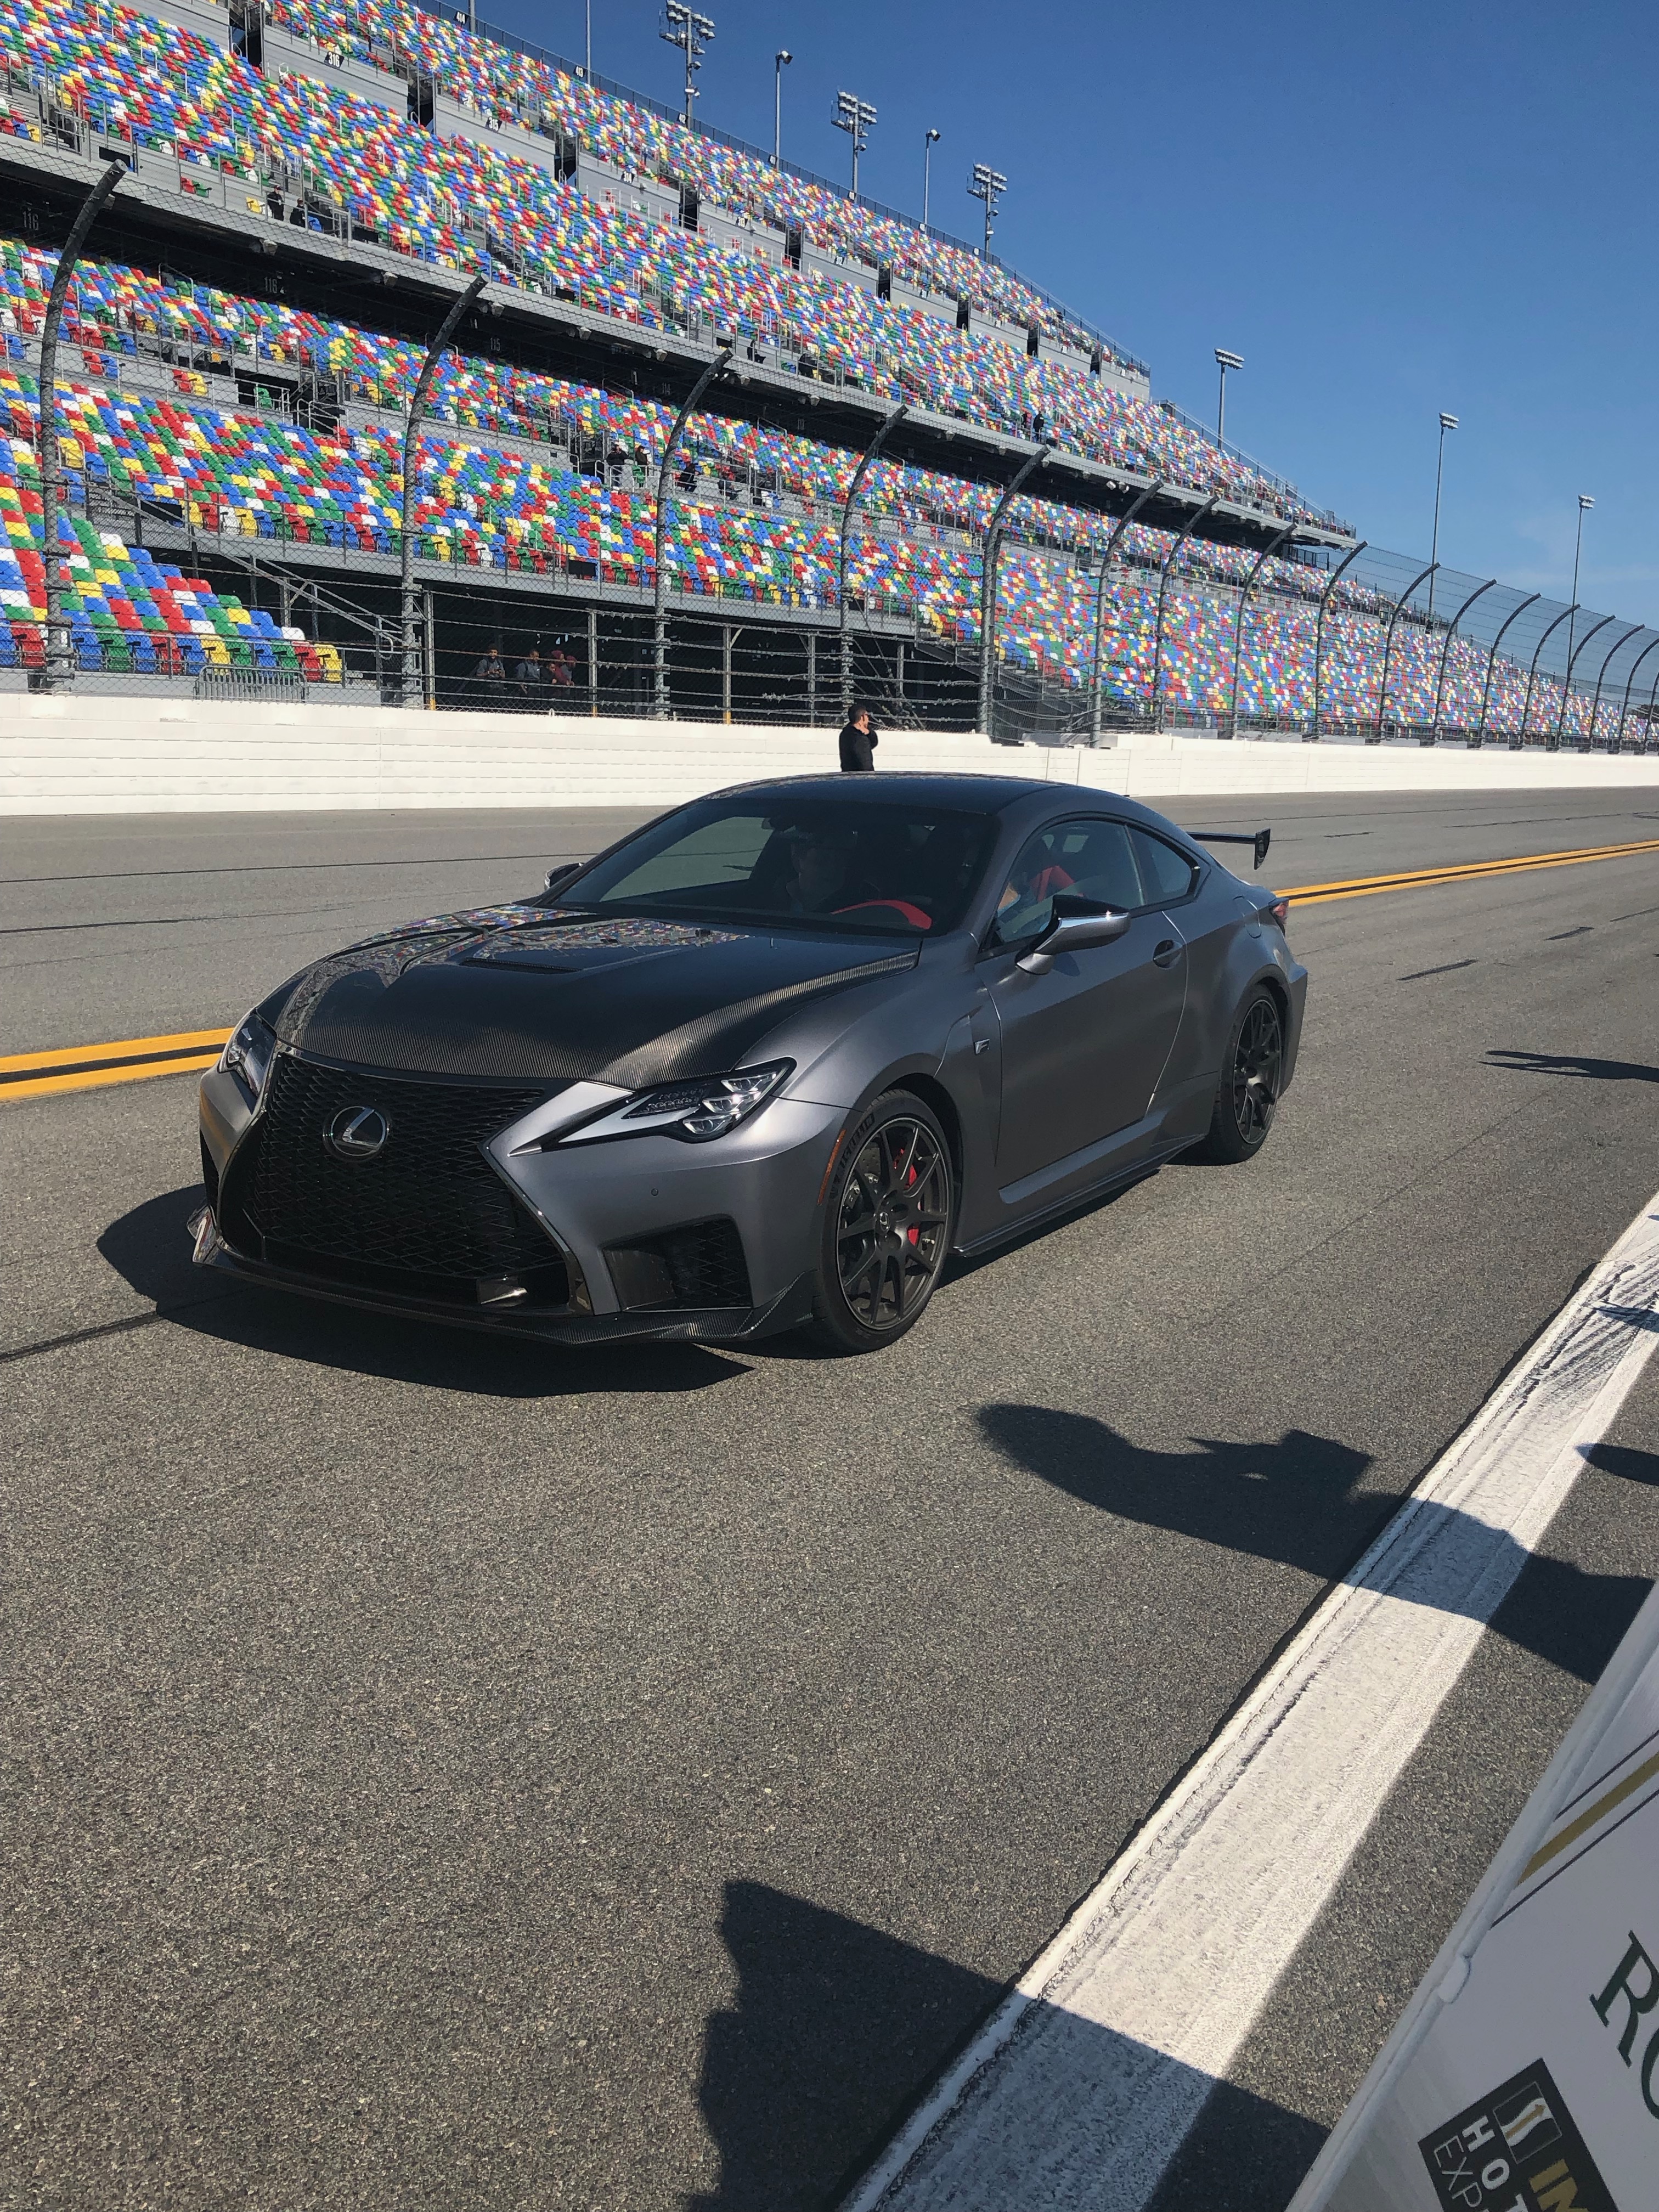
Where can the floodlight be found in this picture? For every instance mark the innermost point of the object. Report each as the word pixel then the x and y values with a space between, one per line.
pixel 1229 359
pixel 691 32
pixel 987 184
pixel 857 118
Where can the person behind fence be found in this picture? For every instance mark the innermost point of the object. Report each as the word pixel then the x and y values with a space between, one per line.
pixel 859 741
pixel 558 671
pixel 527 676
pixel 489 678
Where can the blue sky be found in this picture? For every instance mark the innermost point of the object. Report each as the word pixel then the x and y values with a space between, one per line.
pixel 1387 210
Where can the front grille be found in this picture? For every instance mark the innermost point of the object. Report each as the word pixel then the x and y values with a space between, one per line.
pixel 699 1264
pixel 428 1214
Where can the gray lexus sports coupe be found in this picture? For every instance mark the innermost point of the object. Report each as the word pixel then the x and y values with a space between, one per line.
pixel 766 1063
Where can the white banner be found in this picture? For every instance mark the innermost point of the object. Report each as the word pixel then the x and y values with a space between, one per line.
pixel 1524 2076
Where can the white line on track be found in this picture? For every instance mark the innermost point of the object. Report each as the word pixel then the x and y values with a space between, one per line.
pixel 1079 2091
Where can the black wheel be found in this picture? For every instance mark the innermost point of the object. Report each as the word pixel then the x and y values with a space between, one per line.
pixel 887 1226
pixel 1248 1093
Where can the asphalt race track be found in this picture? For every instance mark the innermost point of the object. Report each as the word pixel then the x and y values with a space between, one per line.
pixel 442 1773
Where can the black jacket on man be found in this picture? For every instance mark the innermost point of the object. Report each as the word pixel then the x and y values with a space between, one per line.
pixel 857 748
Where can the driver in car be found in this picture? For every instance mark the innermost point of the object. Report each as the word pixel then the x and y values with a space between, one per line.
pixel 821 877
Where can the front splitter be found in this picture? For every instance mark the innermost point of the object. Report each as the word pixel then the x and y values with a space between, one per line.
pixel 706 1325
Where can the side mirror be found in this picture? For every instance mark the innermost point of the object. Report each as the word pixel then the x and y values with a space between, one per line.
pixel 557 876
pixel 1076 926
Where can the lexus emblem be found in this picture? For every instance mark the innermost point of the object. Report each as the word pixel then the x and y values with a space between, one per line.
pixel 357 1132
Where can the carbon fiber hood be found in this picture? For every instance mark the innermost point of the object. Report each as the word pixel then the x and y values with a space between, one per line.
pixel 527 994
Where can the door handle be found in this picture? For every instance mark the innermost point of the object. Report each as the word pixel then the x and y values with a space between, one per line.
pixel 1168 953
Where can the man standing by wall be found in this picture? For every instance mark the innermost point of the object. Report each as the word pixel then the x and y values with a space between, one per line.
pixel 858 742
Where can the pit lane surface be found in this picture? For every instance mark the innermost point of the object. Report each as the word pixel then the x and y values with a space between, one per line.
pixel 447 1772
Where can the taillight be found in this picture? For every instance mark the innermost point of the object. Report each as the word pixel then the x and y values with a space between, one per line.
pixel 1278 910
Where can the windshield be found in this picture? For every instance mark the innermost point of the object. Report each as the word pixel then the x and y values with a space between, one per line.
pixel 902 870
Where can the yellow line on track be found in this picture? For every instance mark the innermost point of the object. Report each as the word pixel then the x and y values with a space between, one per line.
pixel 93 1067
pixel 133 1059
pixel 1463 872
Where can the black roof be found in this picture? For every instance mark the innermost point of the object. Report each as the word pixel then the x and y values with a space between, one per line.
pixel 967 793
pixel 976 794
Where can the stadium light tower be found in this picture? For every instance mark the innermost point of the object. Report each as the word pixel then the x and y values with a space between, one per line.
pixel 781 61
pixel 1447 423
pixel 928 146
pixel 1225 361
pixel 857 119
pixel 1585 503
pixel 684 27
pixel 987 184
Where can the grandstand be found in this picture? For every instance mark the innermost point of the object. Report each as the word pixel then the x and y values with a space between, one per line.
pixel 310 182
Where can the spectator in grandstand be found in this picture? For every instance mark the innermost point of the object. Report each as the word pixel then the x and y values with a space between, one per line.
pixel 559 670
pixel 528 677
pixel 859 741
pixel 489 679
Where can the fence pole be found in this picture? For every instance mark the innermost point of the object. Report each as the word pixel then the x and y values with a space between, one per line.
pixel 408 687
pixel 1566 685
pixel 1647 734
pixel 431 651
pixel 1625 710
pixel 1337 573
pixel 1108 555
pixel 1526 710
pixel 1601 678
pixel 1388 647
pixel 1271 547
pixel 659 580
pixel 592 660
pixel 59 666
pixel 1491 662
pixel 1186 529
pixel 1451 630
pixel 988 584
pixel 877 439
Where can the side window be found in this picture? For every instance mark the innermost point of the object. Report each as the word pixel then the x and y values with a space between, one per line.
pixel 1089 859
pixel 1167 874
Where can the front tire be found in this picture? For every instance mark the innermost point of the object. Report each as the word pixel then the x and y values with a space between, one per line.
pixel 888 1217
pixel 1247 1096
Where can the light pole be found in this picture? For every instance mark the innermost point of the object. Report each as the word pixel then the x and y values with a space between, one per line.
pixel 781 61
pixel 1447 423
pixel 928 146
pixel 857 119
pixel 684 27
pixel 1585 503
pixel 1224 359
pixel 987 184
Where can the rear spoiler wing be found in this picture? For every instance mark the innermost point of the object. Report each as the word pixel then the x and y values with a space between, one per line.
pixel 1261 839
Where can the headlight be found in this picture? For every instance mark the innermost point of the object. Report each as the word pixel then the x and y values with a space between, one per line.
pixel 248 1056
pixel 707 1106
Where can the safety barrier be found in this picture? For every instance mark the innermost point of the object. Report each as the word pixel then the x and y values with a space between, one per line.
pixel 69 755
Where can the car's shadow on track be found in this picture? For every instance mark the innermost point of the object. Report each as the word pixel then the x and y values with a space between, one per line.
pixel 835 2028
pixel 150 1249
pixel 1298 1502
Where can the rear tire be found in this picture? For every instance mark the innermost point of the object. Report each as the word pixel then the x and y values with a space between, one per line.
pixel 888 1217
pixel 1246 1097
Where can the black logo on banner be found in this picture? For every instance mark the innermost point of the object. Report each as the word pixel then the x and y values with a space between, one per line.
pixel 1517 2150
